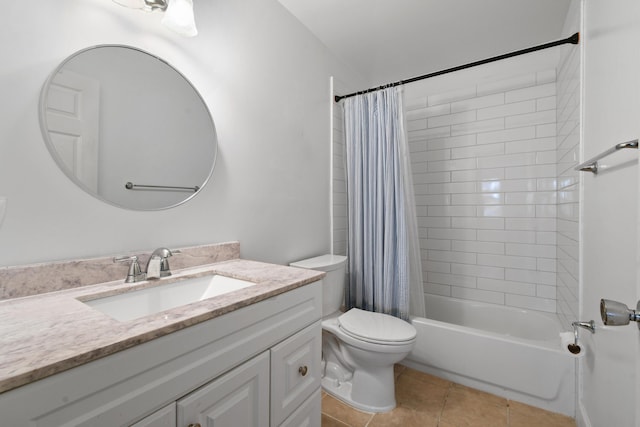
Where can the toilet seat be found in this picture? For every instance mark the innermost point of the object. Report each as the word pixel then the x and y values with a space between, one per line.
pixel 376 328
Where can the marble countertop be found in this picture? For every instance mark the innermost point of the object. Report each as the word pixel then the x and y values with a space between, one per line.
pixel 45 334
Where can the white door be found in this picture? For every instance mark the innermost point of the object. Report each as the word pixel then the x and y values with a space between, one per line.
pixel 610 369
pixel 73 116
pixel 637 356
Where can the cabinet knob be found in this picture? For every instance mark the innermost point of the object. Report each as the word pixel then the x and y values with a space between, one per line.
pixel 303 370
pixel 194 425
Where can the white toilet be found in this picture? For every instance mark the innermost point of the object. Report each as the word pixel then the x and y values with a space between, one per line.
pixel 359 348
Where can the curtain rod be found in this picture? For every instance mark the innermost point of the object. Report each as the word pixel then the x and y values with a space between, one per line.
pixel 574 39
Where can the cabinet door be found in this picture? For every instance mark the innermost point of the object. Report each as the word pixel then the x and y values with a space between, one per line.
pixel 295 371
pixel 165 417
pixel 309 414
pixel 239 398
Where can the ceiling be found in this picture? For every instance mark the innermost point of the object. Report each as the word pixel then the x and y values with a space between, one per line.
pixel 391 40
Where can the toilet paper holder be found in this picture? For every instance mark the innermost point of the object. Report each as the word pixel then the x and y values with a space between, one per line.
pixel 590 326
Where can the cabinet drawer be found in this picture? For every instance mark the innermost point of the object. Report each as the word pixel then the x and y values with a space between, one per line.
pixel 309 414
pixel 295 371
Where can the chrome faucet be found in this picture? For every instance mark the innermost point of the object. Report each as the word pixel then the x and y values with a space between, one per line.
pixel 158 264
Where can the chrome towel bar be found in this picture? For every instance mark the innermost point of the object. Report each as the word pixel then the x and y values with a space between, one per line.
pixel 131 186
pixel 592 164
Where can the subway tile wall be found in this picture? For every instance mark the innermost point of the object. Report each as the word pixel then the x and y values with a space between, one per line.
pixel 568 155
pixel 495 186
pixel 484 170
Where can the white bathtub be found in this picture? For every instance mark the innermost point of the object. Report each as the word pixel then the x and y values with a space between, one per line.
pixel 509 352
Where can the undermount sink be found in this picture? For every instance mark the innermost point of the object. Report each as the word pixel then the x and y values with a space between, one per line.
pixel 135 304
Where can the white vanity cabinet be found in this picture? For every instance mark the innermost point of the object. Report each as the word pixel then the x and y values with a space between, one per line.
pixel 256 366
pixel 279 387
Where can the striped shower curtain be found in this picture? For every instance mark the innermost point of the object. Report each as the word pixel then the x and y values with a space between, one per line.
pixel 385 273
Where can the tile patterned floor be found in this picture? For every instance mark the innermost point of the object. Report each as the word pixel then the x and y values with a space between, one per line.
pixel 427 401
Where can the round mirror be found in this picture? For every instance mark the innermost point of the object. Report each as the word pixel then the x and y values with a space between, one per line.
pixel 128 128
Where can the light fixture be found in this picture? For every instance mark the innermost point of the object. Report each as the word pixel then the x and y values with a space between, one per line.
pixel 178 13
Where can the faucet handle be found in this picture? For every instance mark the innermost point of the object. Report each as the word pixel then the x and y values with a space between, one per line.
pixel 135 273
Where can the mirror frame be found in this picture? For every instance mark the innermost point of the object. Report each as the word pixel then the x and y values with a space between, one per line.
pixel 42 102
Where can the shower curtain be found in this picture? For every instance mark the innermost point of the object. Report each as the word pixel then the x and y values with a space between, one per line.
pixel 385 271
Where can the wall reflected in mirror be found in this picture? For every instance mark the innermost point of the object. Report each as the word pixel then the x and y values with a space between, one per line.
pixel 113 115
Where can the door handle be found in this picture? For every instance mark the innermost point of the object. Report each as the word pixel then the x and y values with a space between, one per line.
pixel 615 313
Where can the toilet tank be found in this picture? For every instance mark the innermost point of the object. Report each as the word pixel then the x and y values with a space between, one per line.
pixel 333 284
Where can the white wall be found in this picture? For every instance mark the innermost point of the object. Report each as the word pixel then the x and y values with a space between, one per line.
pixel 483 155
pixel 610 378
pixel 265 80
pixel 568 155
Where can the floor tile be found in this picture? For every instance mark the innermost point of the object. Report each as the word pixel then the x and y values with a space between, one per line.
pixel 327 421
pixel 403 417
pixel 414 393
pixel 427 401
pixel 521 415
pixel 397 370
pixel 424 377
pixel 466 407
pixel 343 412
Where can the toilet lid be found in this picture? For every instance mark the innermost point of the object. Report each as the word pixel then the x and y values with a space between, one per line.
pixel 376 327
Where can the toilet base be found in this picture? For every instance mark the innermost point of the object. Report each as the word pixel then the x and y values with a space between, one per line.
pixel 358 372
pixel 360 397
